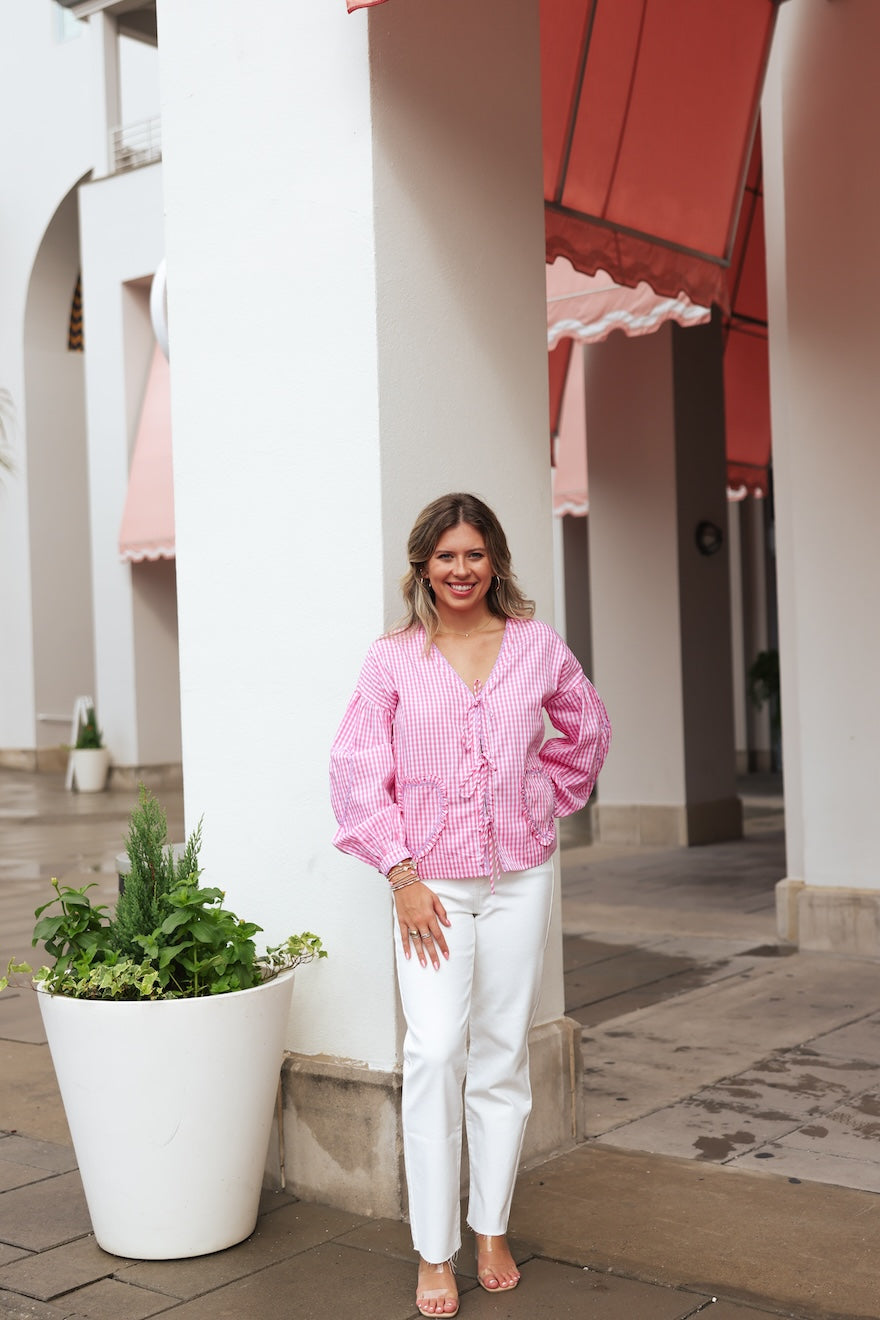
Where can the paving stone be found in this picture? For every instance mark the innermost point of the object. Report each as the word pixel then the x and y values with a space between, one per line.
pixel 30 1102
pixel 581 951
pixel 48 1155
pixel 321 1284
pixel 731 1311
pixel 566 1293
pixel 663 1054
pixel 48 1274
pixel 767 1103
pixel 807 1249
pixel 693 1131
pixel 811 1165
pixel 18 1175
pixel 8 1254
pixel 110 1300
pixel 614 976
pixel 851 1131
pixel 44 1214
pixel 801 1081
pixel 284 1233
pixel 14 1307
pixel 856 1040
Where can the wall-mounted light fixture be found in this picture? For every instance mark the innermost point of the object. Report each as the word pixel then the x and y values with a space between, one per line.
pixel 709 537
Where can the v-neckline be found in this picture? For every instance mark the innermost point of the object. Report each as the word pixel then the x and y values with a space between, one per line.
pixel 479 686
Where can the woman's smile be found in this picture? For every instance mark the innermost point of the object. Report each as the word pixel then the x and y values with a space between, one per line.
pixel 460 574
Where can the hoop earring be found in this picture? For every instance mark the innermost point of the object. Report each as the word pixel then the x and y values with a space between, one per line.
pixel 497 582
pixel 426 583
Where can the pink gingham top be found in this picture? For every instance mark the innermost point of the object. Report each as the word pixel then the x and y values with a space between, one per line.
pixel 465 782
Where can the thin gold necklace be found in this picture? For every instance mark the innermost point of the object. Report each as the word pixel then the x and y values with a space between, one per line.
pixel 452 631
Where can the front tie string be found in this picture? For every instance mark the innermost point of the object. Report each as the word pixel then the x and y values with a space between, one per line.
pixel 476 739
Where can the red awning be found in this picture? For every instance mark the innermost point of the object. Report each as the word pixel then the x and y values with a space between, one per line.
pixel 746 356
pixel 649 109
pixel 147 530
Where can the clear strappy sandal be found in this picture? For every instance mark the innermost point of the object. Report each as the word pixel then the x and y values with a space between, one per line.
pixel 446 1268
pixel 486 1248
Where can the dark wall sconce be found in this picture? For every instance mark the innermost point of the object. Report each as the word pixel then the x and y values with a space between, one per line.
pixel 709 538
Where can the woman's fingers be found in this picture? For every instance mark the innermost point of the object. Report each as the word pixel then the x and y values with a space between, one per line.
pixel 420 915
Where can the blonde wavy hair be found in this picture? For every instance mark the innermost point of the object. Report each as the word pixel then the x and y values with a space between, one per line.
pixel 505 600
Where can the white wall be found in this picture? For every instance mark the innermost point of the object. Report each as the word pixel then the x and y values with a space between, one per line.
pixel 122 241
pixel 61 578
pixel 44 94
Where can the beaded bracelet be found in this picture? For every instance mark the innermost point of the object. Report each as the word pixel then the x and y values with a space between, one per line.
pixel 406 868
pixel 402 884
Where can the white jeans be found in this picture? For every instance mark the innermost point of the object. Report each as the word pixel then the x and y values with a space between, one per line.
pixel 489 990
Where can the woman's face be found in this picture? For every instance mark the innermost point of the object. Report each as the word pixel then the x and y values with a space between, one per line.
pixel 460 571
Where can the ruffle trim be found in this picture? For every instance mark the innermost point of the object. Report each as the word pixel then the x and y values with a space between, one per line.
pixel 629 260
pixel 151 553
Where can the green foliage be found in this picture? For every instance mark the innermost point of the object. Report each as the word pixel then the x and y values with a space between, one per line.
pixel 169 938
pixel 764 677
pixel 153 874
pixel 88 735
pixel 764 687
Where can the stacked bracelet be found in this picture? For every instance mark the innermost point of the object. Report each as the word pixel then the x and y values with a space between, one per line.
pixel 403 874
pixel 402 884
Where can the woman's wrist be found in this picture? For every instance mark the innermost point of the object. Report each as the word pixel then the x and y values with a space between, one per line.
pixel 402 874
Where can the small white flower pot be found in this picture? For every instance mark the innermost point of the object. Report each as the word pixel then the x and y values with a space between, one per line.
pixel 170 1107
pixel 90 766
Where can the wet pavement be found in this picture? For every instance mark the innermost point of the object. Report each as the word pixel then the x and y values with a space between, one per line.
pixel 732 1100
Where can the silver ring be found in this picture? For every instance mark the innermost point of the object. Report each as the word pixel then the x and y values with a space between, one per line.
pixel 427 935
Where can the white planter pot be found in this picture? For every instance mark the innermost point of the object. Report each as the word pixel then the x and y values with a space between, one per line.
pixel 90 766
pixel 170 1107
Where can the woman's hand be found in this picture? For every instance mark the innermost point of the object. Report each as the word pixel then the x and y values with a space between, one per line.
pixel 422 917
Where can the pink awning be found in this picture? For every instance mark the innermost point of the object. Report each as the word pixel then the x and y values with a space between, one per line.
pixel 584 309
pixel 147 530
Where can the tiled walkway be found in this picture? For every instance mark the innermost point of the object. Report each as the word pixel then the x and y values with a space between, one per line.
pixel 710 1059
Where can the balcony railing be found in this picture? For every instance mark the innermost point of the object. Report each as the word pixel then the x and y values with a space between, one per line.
pixel 133 145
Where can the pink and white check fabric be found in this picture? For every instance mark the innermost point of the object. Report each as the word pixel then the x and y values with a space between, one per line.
pixel 465 782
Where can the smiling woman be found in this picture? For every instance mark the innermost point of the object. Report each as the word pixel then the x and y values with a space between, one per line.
pixel 441 773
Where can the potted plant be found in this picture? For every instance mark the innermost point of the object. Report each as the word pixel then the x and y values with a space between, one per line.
pixel 91 759
pixel 764 687
pixel 166 1029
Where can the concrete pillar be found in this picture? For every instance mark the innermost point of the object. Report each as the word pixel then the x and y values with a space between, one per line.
pixel 821 125
pixel 357 324
pixel 107 106
pixel 661 608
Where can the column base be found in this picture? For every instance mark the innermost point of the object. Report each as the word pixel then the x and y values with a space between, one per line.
pixel 670 826
pixel 343 1144
pixel 829 919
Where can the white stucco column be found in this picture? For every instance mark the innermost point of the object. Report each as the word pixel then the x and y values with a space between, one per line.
pixel 660 608
pixel 107 105
pixel 356 314
pixel 821 121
